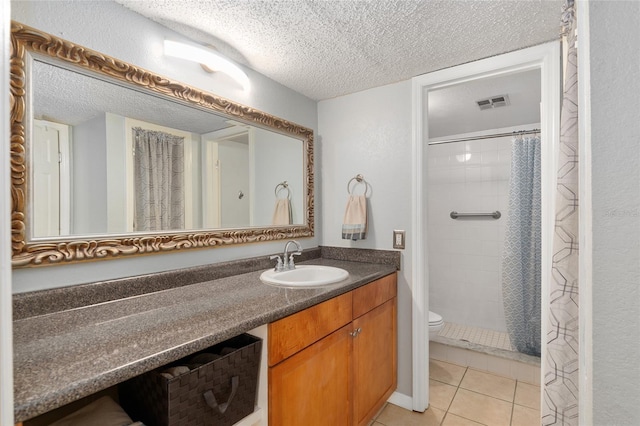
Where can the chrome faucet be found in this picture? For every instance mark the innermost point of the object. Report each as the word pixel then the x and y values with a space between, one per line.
pixel 287 259
pixel 286 262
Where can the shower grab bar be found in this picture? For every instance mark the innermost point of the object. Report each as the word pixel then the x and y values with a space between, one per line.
pixel 495 215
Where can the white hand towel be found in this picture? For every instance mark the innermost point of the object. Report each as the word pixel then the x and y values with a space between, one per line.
pixel 354 225
pixel 282 212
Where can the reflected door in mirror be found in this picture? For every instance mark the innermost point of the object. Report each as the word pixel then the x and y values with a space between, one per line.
pixel 50 179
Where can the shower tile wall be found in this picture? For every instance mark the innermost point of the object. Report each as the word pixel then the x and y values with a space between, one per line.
pixel 465 254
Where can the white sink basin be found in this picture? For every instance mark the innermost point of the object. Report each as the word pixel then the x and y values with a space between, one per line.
pixel 305 276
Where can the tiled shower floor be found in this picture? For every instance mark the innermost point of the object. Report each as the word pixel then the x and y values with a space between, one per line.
pixel 480 336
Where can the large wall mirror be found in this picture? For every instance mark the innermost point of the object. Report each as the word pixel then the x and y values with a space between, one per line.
pixel 109 159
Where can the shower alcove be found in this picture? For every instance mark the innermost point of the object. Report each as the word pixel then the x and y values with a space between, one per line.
pixel 459 272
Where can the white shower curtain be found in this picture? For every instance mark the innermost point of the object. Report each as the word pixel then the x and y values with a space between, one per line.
pixel 159 180
pixel 561 376
pixel 521 257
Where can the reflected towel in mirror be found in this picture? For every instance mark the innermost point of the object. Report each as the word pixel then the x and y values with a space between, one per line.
pixel 354 225
pixel 282 212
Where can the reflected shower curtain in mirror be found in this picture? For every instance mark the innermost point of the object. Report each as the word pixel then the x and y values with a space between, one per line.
pixel 159 180
pixel 521 257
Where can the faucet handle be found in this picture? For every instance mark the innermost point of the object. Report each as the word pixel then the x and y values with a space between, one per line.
pixel 279 265
pixel 292 265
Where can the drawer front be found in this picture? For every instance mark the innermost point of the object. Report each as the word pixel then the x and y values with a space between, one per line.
pixel 290 335
pixel 367 297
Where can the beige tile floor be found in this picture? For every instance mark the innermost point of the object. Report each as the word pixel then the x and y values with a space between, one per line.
pixel 462 396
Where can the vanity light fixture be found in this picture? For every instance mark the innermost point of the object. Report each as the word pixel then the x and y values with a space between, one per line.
pixel 211 61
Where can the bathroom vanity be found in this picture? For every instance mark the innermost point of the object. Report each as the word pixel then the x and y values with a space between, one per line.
pixel 63 356
pixel 335 363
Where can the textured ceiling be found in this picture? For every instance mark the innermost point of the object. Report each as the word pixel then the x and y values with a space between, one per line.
pixel 328 48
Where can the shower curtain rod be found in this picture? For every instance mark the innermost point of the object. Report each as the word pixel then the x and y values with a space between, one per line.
pixel 495 135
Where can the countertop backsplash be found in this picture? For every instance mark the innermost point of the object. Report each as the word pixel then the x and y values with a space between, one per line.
pixel 44 302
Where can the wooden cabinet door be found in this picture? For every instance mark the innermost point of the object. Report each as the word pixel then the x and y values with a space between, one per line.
pixel 312 387
pixel 374 361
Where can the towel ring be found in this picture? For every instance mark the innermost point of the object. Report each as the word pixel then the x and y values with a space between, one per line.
pixel 359 179
pixel 284 185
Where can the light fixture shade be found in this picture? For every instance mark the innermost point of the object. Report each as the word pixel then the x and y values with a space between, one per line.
pixel 208 58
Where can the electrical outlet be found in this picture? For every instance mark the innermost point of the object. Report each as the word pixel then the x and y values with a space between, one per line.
pixel 398 239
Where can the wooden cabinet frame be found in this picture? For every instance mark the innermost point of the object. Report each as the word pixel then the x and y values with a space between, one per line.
pixel 335 362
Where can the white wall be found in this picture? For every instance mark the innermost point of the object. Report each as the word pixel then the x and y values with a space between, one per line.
pixel 116 31
pixel 89 177
pixel 234 179
pixel 277 158
pixel 116 173
pixel 370 133
pixel 615 142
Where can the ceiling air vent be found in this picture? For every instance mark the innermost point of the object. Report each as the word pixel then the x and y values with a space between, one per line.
pixel 485 104
pixel 493 102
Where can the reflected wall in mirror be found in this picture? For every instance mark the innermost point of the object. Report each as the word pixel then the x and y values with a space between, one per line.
pixel 109 159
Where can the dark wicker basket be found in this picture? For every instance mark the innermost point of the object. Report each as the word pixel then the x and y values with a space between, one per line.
pixel 203 396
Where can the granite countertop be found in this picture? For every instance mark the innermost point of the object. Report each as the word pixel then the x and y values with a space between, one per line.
pixel 60 357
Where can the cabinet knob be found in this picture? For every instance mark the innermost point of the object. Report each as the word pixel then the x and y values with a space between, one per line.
pixel 355 332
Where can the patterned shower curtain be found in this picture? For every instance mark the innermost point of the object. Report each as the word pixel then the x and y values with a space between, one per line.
pixel 560 405
pixel 521 257
pixel 159 180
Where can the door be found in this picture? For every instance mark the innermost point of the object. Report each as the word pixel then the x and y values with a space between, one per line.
pixel 312 387
pixel 374 360
pixel 210 185
pixel 235 193
pixel 46 180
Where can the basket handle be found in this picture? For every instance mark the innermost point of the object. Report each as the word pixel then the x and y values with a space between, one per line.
pixel 210 398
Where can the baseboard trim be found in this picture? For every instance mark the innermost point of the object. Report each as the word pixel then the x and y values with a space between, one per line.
pixel 401 400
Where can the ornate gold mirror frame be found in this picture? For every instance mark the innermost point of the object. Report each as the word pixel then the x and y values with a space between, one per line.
pixel 57 250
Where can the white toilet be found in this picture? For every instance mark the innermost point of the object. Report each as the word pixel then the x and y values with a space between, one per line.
pixel 435 324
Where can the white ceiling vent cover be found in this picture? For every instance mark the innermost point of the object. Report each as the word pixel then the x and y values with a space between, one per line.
pixel 493 102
